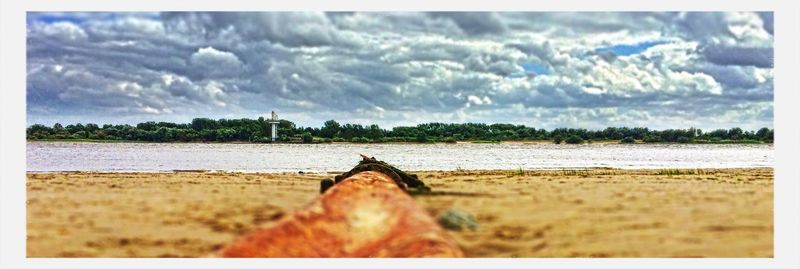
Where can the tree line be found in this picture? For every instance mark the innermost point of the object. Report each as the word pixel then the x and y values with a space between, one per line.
pixel 259 131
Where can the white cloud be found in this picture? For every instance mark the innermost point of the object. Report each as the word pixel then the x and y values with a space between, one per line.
pixel 748 29
pixel 403 68
pixel 63 30
pixel 479 101
pixel 150 110
pixel 216 62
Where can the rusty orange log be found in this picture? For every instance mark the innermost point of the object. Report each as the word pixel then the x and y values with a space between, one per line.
pixel 364 215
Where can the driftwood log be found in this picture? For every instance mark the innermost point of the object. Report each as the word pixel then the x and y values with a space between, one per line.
pixel 366 214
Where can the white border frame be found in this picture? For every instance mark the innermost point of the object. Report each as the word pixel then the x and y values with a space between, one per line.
pixel 13 123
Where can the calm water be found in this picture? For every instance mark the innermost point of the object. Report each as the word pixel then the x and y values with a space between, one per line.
pixel 67 156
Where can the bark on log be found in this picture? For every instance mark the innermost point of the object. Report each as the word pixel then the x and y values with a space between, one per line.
pixel 365 215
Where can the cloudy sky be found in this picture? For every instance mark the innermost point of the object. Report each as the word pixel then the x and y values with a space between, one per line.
pixel 547 70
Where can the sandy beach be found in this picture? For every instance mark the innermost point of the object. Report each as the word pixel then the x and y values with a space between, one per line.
pixel 555 213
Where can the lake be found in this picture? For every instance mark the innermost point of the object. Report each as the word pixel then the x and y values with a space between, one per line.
pixel 124 157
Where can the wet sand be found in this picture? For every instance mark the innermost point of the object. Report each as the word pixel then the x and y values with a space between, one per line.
pixel 560 213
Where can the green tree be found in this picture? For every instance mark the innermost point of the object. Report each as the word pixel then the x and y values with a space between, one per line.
pixel 225 130
pixel 74 128
pixel 264 128
pixel 307 138
pixel 763 133
pixel 374 132
pixel 574 139
pixel 37 131
pixel 422 137
pixel 91 127
pixel 652 138
pixel 735 133
pixel 330 129
pixel 199 124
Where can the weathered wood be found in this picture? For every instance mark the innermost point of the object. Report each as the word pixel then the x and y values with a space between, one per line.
pixel 364 215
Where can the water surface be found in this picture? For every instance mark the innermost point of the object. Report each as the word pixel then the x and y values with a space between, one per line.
pixel 119 157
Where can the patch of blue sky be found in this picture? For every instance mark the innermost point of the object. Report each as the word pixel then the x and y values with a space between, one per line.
pixel 80 17
pixel 55 17
pixel 534 68
pixel 530 69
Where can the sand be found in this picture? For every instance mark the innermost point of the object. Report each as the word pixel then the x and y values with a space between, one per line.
pixel 573 213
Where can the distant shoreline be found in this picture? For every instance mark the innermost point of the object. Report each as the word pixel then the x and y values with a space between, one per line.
pixel 348 142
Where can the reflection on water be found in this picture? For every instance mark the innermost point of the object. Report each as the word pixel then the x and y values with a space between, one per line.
pixel 68 156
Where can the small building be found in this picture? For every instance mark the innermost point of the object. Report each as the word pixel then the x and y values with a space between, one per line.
pixel 274 121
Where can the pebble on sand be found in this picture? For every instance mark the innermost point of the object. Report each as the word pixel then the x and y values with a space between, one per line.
pixel 458 220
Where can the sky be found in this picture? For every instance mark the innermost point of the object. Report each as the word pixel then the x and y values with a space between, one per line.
pixel 541 69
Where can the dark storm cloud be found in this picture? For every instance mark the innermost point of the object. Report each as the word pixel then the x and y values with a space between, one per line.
pixel 738 81
pixel 286 28
pixel 701 26
pixel 475 22
pixel 769 21
pixel 393 25
pixel 583 23
pixel 400 68
pixel 727 55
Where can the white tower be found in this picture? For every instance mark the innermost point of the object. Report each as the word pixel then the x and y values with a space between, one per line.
pixel 274 122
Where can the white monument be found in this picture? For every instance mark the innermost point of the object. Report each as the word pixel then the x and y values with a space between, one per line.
pixel 274 122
